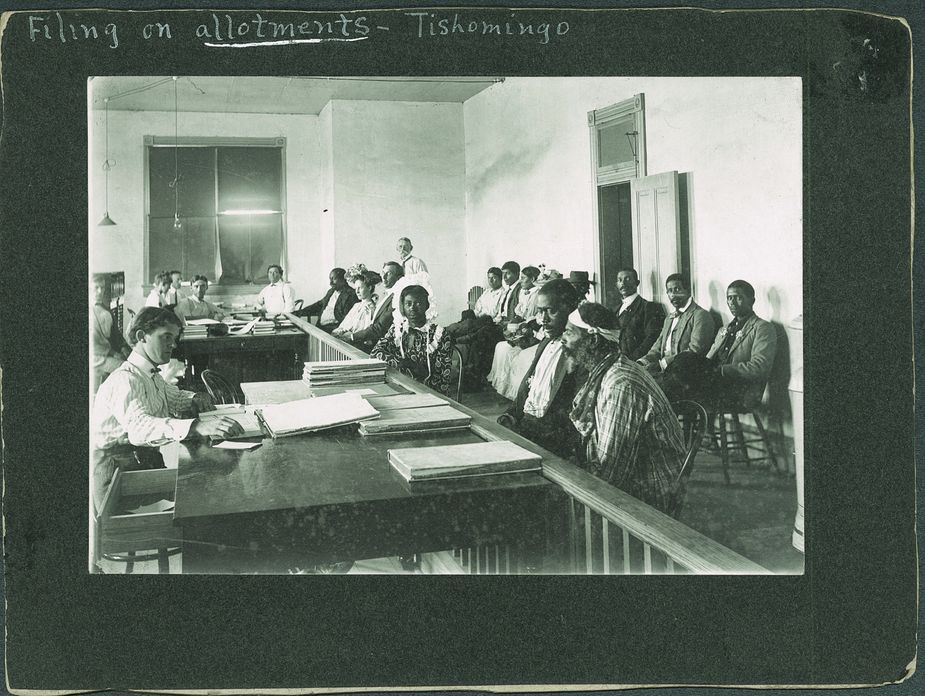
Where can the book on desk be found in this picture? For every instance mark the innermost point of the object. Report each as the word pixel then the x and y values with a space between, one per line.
pixel 459 461
pixel 412 420
pixel 316 413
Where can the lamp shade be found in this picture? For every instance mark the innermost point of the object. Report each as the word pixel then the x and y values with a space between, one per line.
pixel 106 221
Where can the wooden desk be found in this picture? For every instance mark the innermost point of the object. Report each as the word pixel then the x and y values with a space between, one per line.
pixel 333 496
pixel 249 358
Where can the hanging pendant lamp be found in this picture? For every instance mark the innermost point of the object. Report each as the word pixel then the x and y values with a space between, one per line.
pixel 107 165
pixel 177 224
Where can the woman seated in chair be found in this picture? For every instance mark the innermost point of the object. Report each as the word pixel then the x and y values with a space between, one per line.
pixel 518 335
pixel 416 346
pixel 360 316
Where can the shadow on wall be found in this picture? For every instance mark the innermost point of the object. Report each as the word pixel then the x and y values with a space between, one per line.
pixel 511 165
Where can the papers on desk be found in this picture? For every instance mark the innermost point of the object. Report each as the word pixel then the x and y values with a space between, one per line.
pixel 201 322
pixel 318 413
pixel 246 419
pixel 457 461
pixel 233 445
pixel 157 506
pixel 415 420
pixel 328 373
pixel 240 329
pixel 390 403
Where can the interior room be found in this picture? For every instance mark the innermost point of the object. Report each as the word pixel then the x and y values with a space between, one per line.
pixel 223 177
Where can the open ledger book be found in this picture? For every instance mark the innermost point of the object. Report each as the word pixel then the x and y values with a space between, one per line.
pixel 318 413
pixel 455 461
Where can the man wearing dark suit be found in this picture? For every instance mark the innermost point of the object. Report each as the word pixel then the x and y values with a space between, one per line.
pixel 688 328
pixel 336 303
pixel 382 317
pixel 640 321
pixel 544 400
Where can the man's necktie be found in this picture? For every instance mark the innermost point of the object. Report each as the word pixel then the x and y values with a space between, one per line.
pixel 731 332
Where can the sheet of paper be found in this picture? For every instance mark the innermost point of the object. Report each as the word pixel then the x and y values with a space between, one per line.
pixel 158 506
pixel 361 392
pixel 235 445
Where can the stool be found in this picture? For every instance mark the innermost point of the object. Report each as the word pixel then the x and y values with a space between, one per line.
pixel 735 441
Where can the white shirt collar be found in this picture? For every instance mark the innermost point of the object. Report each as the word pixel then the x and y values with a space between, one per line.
pixel 627 301
pixel 686 306
pixel 141 362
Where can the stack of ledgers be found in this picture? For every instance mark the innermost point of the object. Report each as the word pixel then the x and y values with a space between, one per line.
pixel 197 328
pixel 458 461
pixel 331 373
pixel 262 328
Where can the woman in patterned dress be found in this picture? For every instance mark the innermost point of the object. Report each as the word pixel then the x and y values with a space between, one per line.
pixel 417 347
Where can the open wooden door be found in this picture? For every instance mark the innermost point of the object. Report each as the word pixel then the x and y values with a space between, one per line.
pixel 656 231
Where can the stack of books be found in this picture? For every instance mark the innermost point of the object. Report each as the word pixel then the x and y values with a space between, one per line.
pixel 416 420
pixel 284 323
pixel 198 328
pixel 331 373
pixel 458 461
pixel 318 413
pixel 262 328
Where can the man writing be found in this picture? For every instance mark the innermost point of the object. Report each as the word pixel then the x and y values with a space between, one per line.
pixel 544 398
pixel 136 411
pixel 335 304
pixel 630 436
pixel 640 320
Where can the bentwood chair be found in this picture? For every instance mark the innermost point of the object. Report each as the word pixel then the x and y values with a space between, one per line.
pixel 220 389
pixel 693 418
pixel 460 367
pixel 297 305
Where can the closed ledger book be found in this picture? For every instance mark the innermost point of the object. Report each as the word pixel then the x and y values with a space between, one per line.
pixel 416 420
pixel 456 461
pixel 308 415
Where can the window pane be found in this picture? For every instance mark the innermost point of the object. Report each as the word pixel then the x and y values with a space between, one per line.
pixel 191 250
pixel 613 145
pixel 196 190
pixel 248 244
pixel 249 178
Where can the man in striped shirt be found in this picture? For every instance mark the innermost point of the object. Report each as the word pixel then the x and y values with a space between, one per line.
pixel 631 437
pixel 136 411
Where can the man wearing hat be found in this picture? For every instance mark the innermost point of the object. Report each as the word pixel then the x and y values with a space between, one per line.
pixel 581 282
pixel 630 436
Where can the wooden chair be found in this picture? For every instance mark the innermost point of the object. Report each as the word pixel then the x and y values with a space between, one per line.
pixel 460 365
pixel 730 439
pixel 475 292
pixel 693 418
pixel 221 390
pixel 297 305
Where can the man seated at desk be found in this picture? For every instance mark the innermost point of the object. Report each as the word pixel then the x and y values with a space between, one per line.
pixel 136 411
pixel 419 348
pixel 158 295
pixel 630 436
pixel 173 295
pixel 276 298
pixel 336 303
pixel 196 306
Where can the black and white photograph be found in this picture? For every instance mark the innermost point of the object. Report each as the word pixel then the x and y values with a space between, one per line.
pixel 376 325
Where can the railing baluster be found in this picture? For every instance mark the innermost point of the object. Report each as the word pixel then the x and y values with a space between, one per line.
pixel 498 559
pixel 606 544
pixel 669 565
pixel 573 533
pixel 589 552
pixel 478 561
pixel 647 559
pixel 626 552
pixel 507 558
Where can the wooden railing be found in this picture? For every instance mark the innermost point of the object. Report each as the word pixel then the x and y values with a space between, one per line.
pixel 608 530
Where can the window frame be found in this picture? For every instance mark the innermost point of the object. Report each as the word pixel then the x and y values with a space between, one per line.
pixel 608 175
pixel 215 289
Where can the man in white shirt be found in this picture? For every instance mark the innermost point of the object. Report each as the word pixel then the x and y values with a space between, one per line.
pixel 382 316
pixel 489 304
pixel 275 298
pixel 136 411
pixel 411 265
pixel 158 295
pixel 688 328
pixel 196 306
pixel 172 297
pixel 638 319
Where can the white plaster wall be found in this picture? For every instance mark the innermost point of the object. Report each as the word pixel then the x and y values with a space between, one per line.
pixel 399 170
pixel 122 247
pixel 529 180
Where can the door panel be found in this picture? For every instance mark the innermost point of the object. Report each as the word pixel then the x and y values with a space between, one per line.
pixel 656 231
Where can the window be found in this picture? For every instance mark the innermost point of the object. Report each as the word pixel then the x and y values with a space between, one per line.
pixel 228 200
pixel 618 155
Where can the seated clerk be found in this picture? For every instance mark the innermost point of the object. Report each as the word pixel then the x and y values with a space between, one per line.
pixel 383 314
pixel 173 294
pixel 689 328
pixel 360 316
pixel 640 321
pixel 276 298
pixel 417 347
pixel 158 295
pixel 196 306
pixel 335 304
pixel 109 348
pixel 630 437
pixel 136 411
pixel 540 411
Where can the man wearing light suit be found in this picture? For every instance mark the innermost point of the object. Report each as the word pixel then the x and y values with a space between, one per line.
pixel 743 352
pixel 689 328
